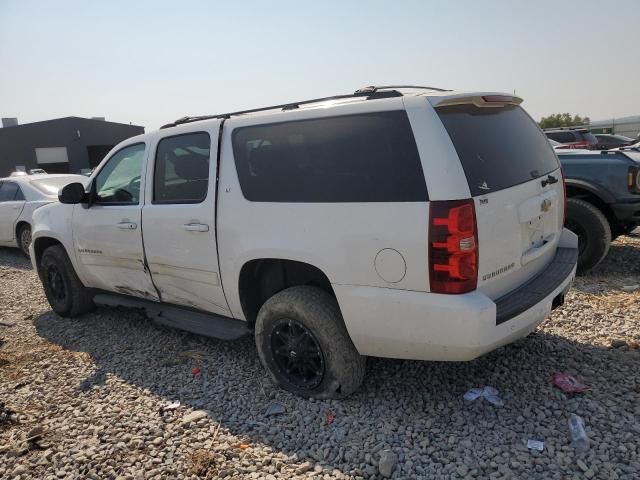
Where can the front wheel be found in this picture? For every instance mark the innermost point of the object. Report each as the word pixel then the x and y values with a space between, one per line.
pixel 304 345
pixel 593 230
pixel 65 292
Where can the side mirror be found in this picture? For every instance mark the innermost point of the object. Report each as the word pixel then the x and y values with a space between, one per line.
pixel 72 193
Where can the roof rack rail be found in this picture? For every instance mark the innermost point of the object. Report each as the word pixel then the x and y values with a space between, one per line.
pixel 371 93
pixel 574 127
pixel 375 88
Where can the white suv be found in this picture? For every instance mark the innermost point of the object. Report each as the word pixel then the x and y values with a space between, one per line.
pixel 397 222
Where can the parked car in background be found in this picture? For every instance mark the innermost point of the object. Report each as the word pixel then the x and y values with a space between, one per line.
pixel 572 137
pixel 603 190
pixel 334 229
pixel 632 151
pixel 607 141
pixel 37 171
pixel 20 196
pixel 557 145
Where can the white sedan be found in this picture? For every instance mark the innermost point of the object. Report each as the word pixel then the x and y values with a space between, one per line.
pixel 20 196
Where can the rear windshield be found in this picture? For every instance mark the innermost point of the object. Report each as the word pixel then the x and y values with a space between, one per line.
pixel 498 148
pixel 368 157
pixel 51 186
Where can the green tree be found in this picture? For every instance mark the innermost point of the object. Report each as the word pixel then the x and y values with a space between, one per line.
pixel 563 120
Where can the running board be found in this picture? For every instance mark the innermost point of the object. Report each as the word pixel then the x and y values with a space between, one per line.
pixel 206 324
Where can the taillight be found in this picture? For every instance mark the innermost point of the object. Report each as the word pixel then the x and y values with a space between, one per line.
pixel 453 246
pixel 583 144
pixel 633 179
pixel 497 98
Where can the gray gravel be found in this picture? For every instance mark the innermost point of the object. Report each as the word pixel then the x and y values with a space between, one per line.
pixel 97 386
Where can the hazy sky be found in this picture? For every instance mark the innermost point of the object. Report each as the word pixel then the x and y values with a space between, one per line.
pixel 149 62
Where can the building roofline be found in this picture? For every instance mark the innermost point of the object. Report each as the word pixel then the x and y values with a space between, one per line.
pixel 67 118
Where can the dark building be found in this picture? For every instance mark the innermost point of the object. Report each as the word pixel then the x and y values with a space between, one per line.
pixel 62 145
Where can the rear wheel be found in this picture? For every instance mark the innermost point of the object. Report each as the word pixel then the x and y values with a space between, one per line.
pixel 593 230
pixel 65 292
pixel 24 239
pixel 304 345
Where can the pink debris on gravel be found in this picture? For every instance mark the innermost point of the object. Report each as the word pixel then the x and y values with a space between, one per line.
pixel 568 383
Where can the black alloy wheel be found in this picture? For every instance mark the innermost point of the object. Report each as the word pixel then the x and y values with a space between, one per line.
pixel 297 354
pixel 55 282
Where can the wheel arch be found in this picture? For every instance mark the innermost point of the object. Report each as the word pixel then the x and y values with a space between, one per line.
pixel 40 244
pixel 595 196
pixel 19 224
pixel 262 278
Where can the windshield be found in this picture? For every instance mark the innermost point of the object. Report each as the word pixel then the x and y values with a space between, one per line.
pixel 51 186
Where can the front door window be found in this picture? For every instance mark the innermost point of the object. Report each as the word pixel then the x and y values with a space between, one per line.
pixel 118 183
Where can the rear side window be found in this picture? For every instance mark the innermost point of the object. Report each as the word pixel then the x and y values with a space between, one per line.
pixel 562 137
pixel 182 169
pixel 356 158
pixel 19 194
pixel 498 148
pixel 9 192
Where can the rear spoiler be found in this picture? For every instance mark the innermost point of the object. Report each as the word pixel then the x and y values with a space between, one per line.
pixel 482 99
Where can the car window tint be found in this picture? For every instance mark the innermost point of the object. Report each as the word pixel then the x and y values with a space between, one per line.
pixel 562 137
pixel 182 169
pixel 498 147
pixel 19 194
pixel 119 180
pixel 355 158
pixel 8 191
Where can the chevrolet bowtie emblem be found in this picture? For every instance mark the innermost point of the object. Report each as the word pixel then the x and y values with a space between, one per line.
pixel 545 206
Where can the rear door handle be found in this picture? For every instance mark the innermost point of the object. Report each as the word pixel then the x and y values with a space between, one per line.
pixel 196 227
pixel 124 225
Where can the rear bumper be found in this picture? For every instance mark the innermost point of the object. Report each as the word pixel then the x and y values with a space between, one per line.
pixel 428 326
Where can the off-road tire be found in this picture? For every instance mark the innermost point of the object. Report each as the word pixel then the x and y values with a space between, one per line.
pixel 593 230
pixel 55 269
pixel 319 313
pixel 24 239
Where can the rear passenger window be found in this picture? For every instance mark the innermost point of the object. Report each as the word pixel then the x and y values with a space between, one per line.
pixel 8 192
pixel 182 169
pixel 19 194
pixel 357 158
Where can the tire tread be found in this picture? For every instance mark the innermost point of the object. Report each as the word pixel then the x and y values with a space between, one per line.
pixel 322 313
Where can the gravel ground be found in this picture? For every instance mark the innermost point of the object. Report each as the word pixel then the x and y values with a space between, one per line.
pixel 92 391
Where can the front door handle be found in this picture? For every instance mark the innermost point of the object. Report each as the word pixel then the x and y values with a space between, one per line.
pixel 126 225
pixel 196 227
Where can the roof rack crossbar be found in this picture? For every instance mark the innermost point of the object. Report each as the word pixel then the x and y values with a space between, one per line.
pixel 370 92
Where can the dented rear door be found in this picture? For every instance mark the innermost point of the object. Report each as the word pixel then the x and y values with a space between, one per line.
pixel 178 218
